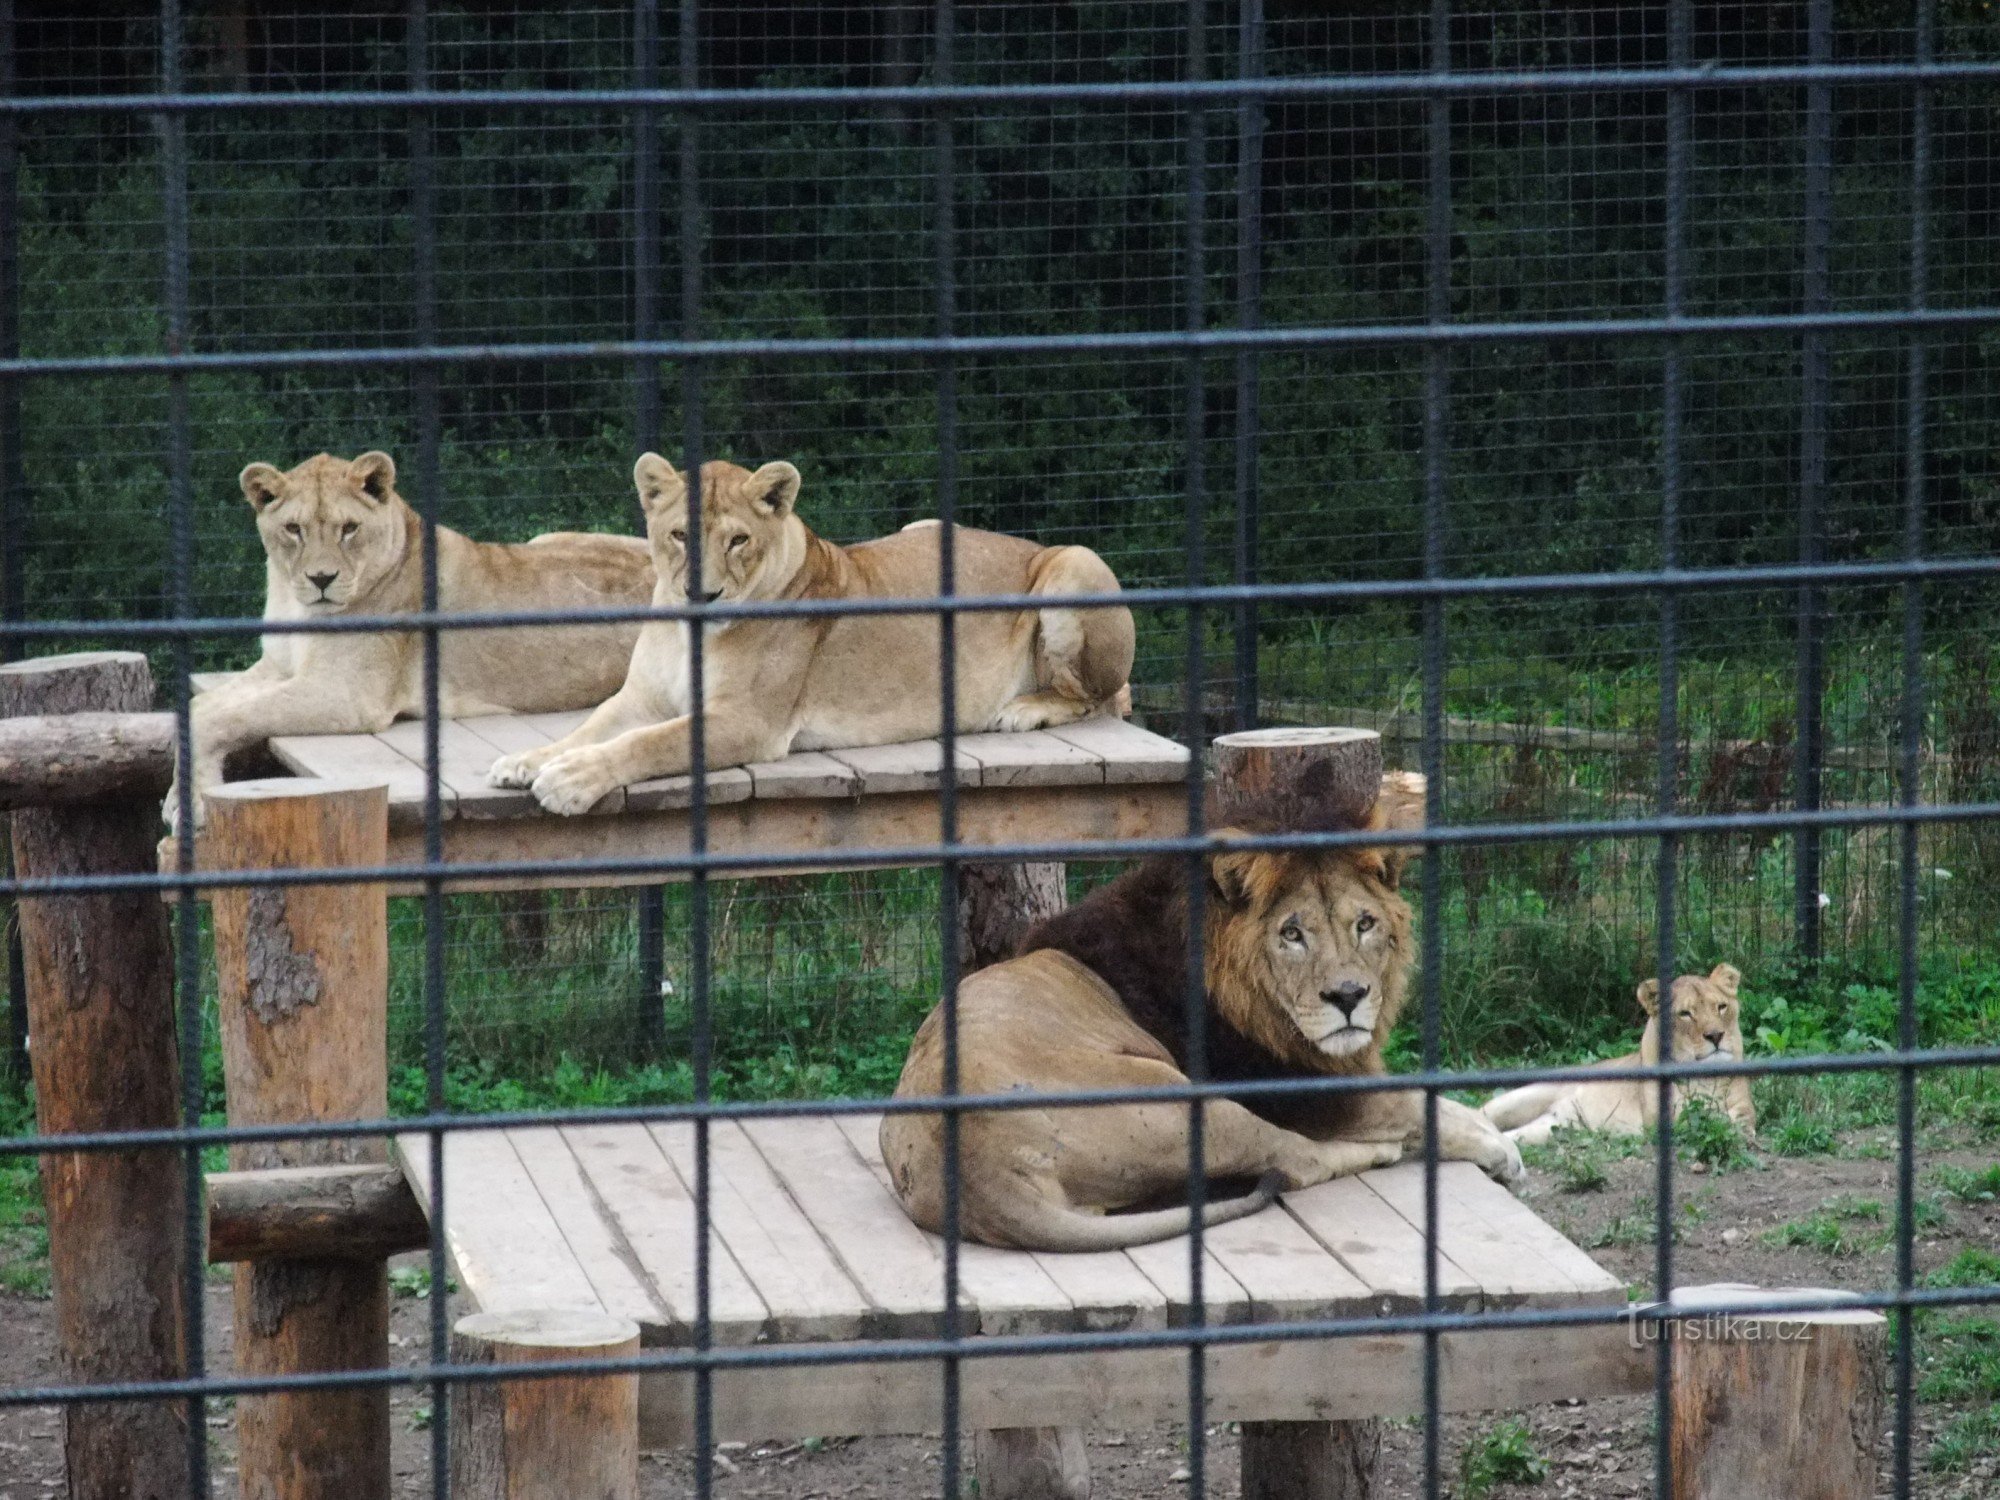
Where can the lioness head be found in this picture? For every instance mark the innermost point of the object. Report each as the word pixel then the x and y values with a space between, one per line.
pixel 751 544
pixel 1308 952
pixel 332 526
pixel 1708 1022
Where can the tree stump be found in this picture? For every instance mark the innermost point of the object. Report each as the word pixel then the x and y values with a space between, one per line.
pixel 1767 1406
pixel 1032 1463
pixel 303 980
pixel 562 1437
pixel 1310 1460
pixel 98 977
pixel 998 903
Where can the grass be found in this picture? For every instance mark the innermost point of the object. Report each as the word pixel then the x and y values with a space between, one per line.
pixel 24 1233
pixel 1970 1185
pixel 1958 1364
pixel 1503 1454
pixel 1706 1135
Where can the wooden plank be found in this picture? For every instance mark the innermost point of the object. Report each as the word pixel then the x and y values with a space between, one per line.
pixel 656 1217
pixel 363 759
pixel 807 1293
pixel 1379 1245
pixel 463 758
pixel 916 766
pixel 1011 1290
pixel 590 1229
pixel 1518 1262
pixel 1271 1380
pixel 1165 1264
pixel 1130 754
pixel 884 1254
pixel 729 784
pixel 508 1249
pixel 804 773
pixel 1287 1273
pixel 1034 758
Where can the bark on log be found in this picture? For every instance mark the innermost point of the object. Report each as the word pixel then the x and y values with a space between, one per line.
pixel 1309 1460
pixel 998 903
pixel 48 759
pixel 341 1213
pixel 1771 1406
pixel 99 982
pixel 1296 777
pixel 564 1437
pixel 303 980
pixel 1032 1463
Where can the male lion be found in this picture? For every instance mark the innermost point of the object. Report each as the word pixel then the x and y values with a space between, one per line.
pixel 1708 1027
pixel 338 540
pixel 1306 957
pixel 776 685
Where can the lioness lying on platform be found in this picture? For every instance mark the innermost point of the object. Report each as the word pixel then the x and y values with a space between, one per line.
pixel 338 540
pixel 778 685
pixel 1306 957
pixel 1708 1027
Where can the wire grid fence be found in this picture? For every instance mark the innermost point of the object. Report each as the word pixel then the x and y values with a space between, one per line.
pixel 1497 377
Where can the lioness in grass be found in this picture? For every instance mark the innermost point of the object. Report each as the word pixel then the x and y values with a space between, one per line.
pixel 338 540
pixel 1708 1027
pixel 771 686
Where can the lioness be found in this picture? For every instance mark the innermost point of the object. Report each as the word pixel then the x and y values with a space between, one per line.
pixel 338 539
pixel 1708 1027
pixel 777 685
pixel 1306 958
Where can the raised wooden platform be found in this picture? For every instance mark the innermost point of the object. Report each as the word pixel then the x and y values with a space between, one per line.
pixel 1096 781
pixel 808 1246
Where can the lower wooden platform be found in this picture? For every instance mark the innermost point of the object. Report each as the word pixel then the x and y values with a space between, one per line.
pixel 809 1246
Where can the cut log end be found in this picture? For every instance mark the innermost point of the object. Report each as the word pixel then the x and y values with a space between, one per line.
pixel 1295 778
pixel 513 1438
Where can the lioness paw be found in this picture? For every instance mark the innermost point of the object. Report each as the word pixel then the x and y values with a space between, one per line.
pixel 515 770
pixel 1387 1154
pixel 574 783
pixel 1503 1162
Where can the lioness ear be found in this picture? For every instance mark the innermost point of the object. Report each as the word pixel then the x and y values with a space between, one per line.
pixel 775 487
pixel 657 482
pixel 1725 977
pixel 1649 996
pixel 374 474
pixel 262 484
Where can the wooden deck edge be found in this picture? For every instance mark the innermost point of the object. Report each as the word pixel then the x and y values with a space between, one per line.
pixel 1278 1380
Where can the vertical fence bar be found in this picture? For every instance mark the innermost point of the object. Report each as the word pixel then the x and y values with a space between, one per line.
pixel 702 1040
pixel 944 244
pixel 1436 457
pixel 1910 788
pixel 1673 296
pixel 430 480
pixel 1815 380
pixel 1194 270
pixel 1249 368
pixel 13 490
pixel 649 1018
pixel 179 586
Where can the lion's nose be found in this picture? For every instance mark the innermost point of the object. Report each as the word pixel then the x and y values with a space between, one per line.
pixel 708 596
pixel 1346 995
pixel 321 581
pixel 1714 1037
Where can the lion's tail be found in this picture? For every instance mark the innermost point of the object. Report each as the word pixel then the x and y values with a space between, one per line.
pixel 1517 1107
pixel 1043 1225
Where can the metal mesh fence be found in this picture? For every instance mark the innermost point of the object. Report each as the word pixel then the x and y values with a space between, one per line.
pixel 1493 378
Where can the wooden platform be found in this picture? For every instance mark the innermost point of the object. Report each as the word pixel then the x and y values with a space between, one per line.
pixel 808 1245
pixel 1099 780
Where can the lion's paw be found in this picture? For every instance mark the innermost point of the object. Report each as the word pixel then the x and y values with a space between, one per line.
pixel 170 810
pixel 1387 1154
pixel 516 770
pixel 573 783
pixel 1502 1162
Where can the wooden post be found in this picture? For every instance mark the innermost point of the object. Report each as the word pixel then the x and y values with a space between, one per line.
pixel 1294 775
pixel 1767 1406
pixel 98 973
pixel 562 1437
pixel 303 981
pixel 1032 1463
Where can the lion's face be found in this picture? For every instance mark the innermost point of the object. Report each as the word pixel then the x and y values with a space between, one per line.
pixel 750 543
pixel 332 526
pixel 1708 1021
pixel 1318 943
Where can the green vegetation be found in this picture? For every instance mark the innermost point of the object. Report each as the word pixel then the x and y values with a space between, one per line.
pixel 24 1235
pixel 1958 1364
pixel 1503 1454
pixel 1970 1185
pixel 1706 1135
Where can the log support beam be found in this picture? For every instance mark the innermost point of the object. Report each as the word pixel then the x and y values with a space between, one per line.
pixel 315 1213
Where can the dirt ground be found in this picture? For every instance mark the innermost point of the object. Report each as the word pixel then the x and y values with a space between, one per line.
pixel 1599 1449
